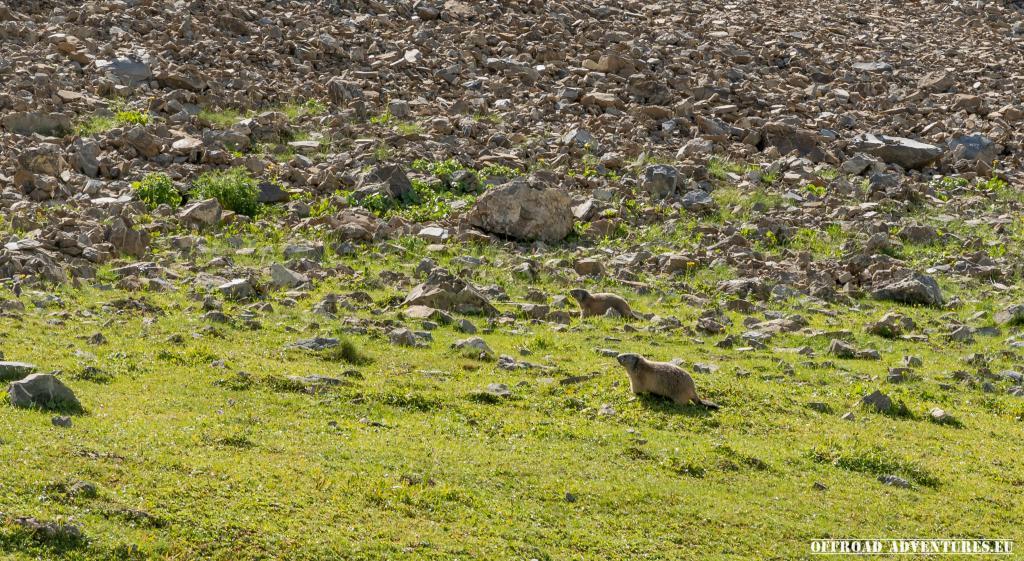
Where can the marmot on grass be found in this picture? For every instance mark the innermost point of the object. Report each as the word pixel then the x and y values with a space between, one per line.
pixel 661 378
pixel 598 303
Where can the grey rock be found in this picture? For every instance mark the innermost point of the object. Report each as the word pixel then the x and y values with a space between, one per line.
pixel 894 481
pixel 660 180
pixel 386 179
pixel 524 210
pixel 62 421
pixel 445 291
pixel 974 147
pixel 916 289
pixel 498 390
pixel 476 345
pixel 34 122
pixel 271 193
pixel 283 277
pixel 877 401
pixel 237 289
pixel 786 138
pixel 1012 315
pixel 698 201
pixel 315 343
pixel 15 370
pixel 146 143
pixel 125 239
pixel 202 213
pixel 904 152
pixel 402 337
pixel 42 390
pixel 129 70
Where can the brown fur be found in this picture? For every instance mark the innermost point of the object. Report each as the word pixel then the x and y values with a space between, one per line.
pixel 598 303
pixel 661 378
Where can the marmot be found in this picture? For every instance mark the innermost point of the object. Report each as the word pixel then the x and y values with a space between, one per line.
pixel 661 378
pixel 599 303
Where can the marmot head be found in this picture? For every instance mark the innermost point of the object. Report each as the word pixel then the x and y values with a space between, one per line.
pixel 579 294
pixel 629 360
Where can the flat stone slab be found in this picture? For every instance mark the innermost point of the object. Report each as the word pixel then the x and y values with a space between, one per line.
pixel 15 370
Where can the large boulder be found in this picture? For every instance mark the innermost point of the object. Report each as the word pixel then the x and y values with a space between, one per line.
pixel 145 143
pixel 904 152
pixel 42 390
pixel 915 289
pixel 524 210
pixel 125 239
pixel 444 291
pixel 46 159
pixel 699 202
pixel 201 213
pixel 27 123
pixel 1013 315
pixel 15 370
pixel 388 180
pixel 786 138
pixel 974 147
pixel 128 70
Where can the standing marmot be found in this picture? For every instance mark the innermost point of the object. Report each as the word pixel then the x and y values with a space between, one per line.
pixel 661 378
pixel 598 303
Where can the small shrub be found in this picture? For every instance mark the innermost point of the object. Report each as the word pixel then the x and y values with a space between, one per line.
pixel 157 189
pixel 235 189
pixel 382 119
pixel 377 203
pixel 130 117
pixel 816 190
pixel 498 170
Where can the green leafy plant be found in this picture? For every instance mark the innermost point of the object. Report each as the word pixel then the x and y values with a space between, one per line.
pixel 157 189
pixel 816 190
pixel 131 117
pixel 382 119
pixel 236 190
pixel 828 173
pixel 498 170
pixel 769 177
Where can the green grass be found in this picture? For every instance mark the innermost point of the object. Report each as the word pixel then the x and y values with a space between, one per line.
pixel 121 117
pixel 221 118
pixel 310 107
pixel 408 128
pixel 156 189
pixel 96 124
pixel 719 168
pixel 236 190
pixel 207 449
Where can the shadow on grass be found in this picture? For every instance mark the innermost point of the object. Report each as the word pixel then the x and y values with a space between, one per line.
pixel 659 404
pixel 45 545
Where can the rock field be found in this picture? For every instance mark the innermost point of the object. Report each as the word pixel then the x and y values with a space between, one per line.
pixel 204 202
